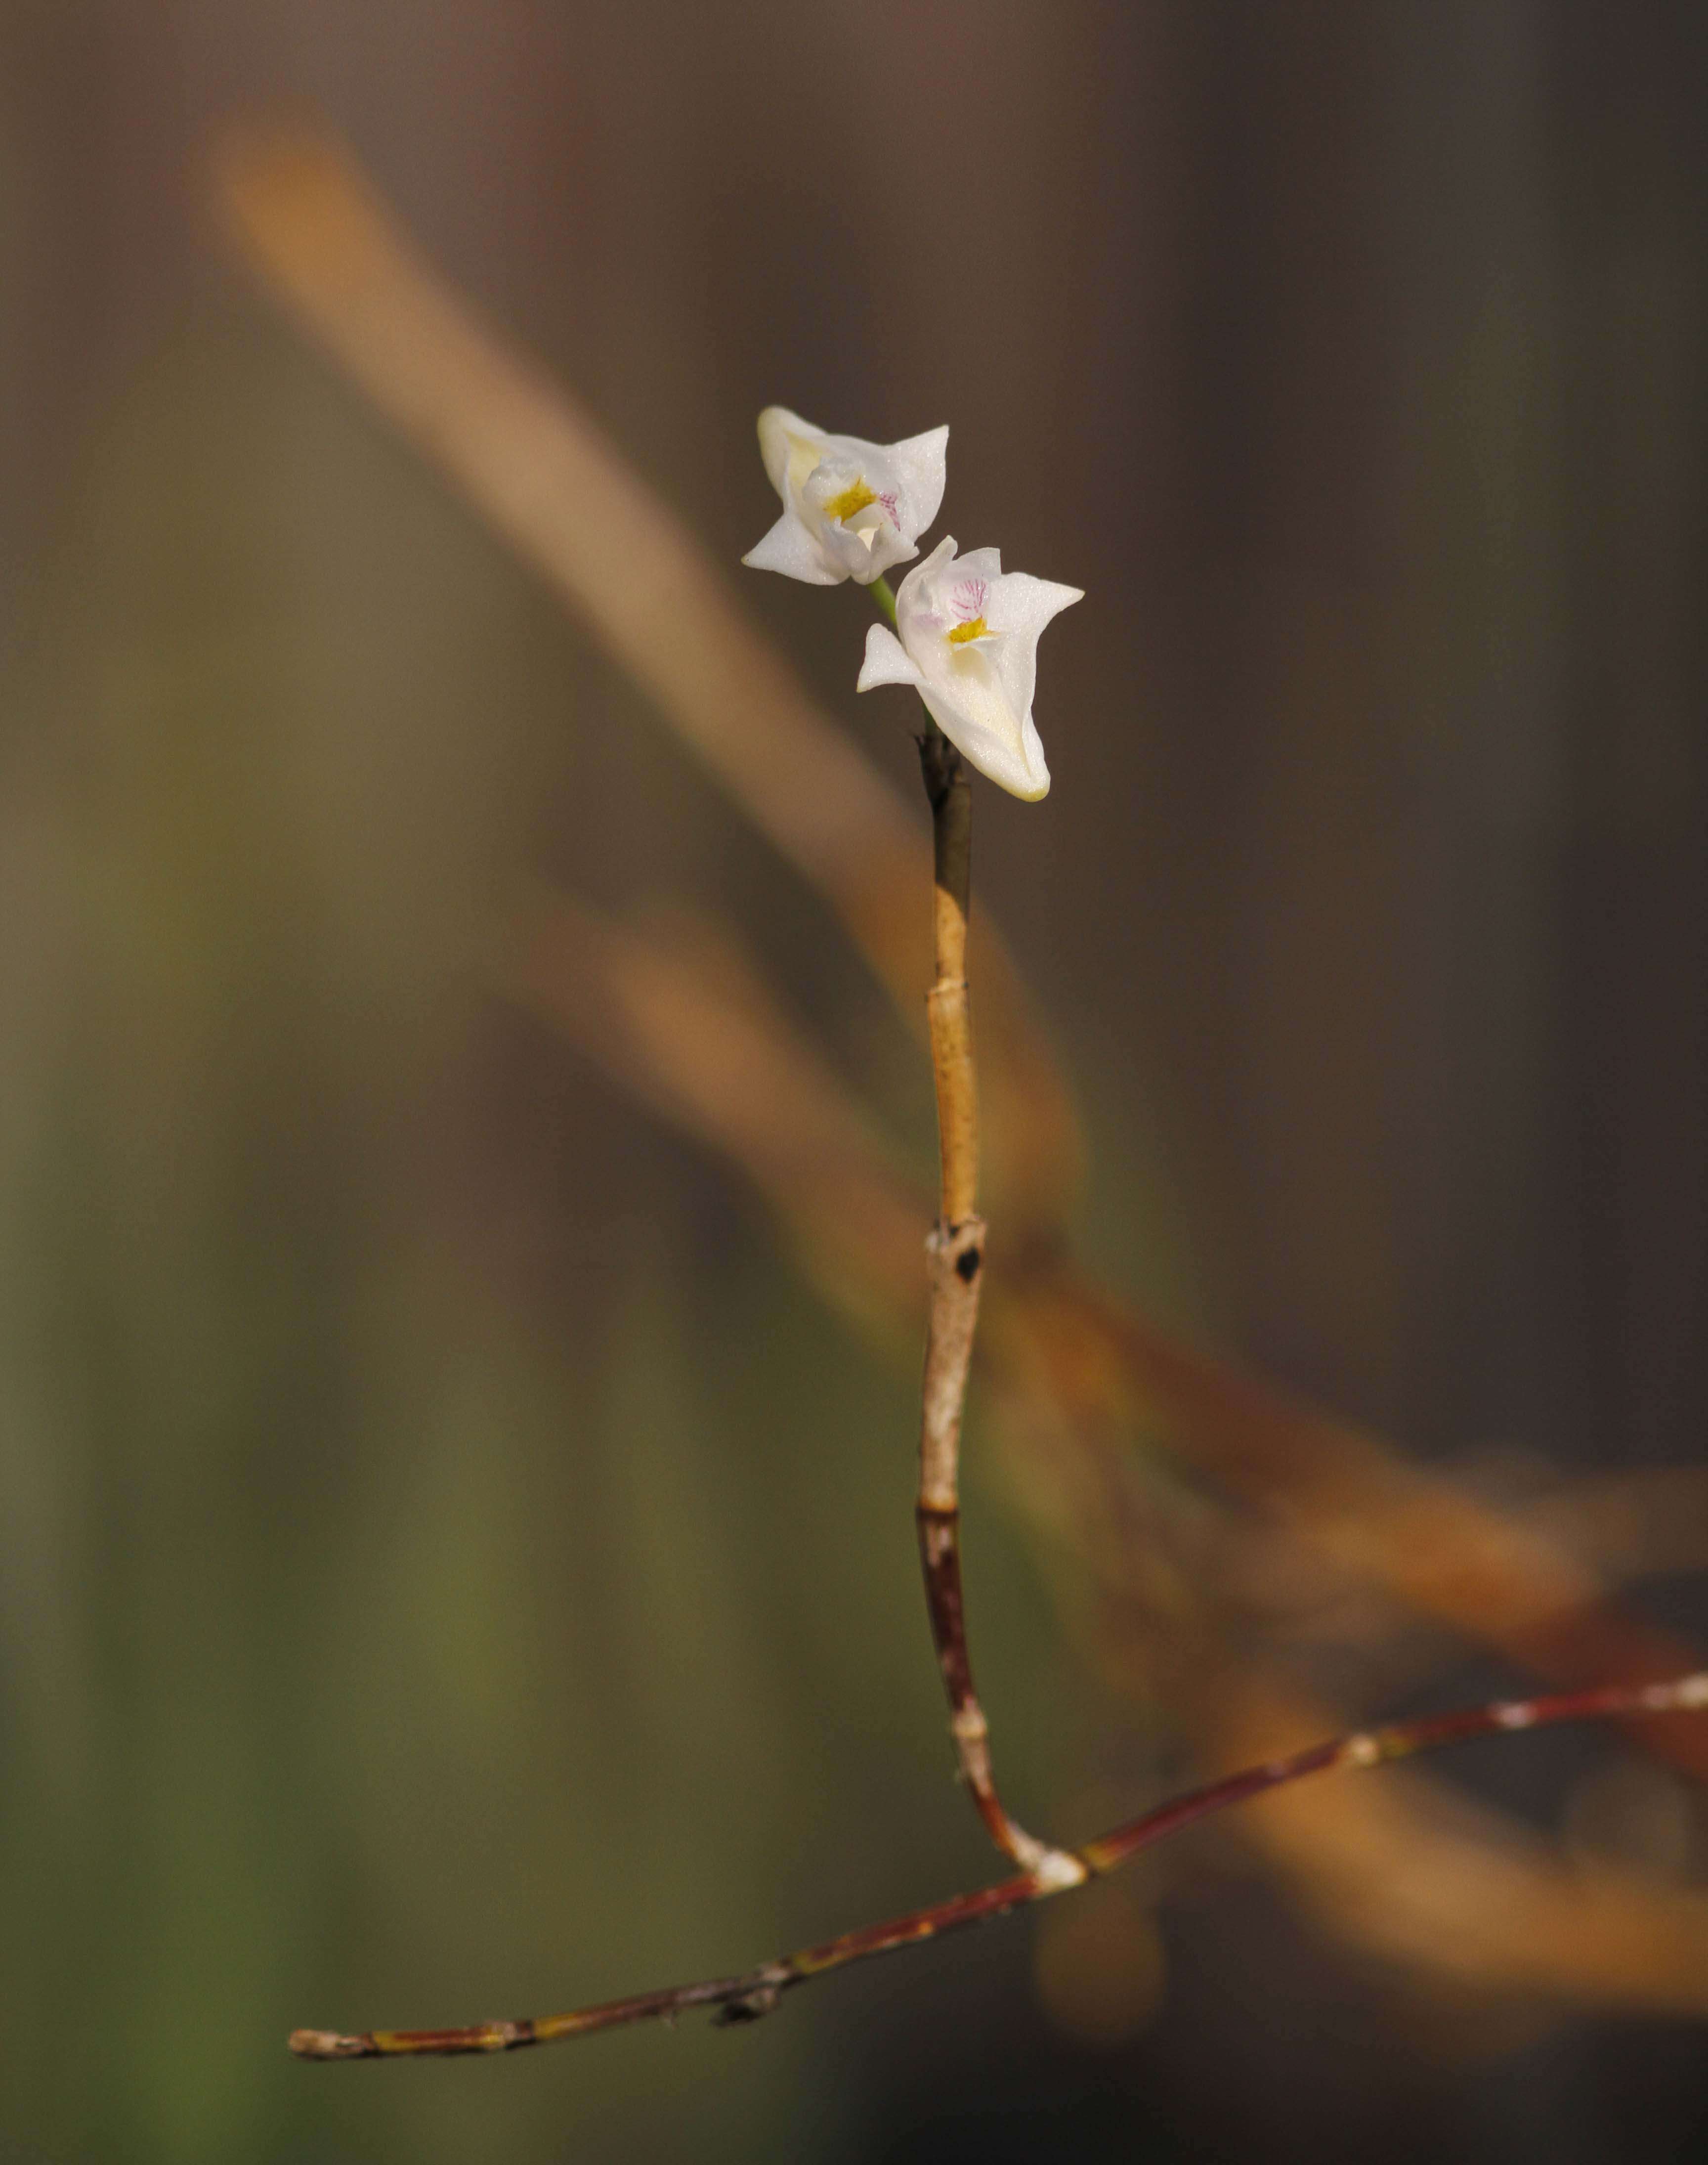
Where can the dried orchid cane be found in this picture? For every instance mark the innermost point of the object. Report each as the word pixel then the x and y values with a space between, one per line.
pixel 966 637
pixel 969 643
pixel 755 1992
pixel 955 1257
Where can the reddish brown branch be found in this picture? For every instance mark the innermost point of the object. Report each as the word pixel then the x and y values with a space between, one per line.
pixel 756 1992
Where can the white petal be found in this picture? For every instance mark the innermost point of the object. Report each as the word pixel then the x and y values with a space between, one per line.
pixel 886 660
pixel 1023 603
pixel 1015 765
pixel 777 425
pixel 973 710
pixel 913 595
pixel 980 563
pixel 887 551
pixel 922 465
pixel 1037 772
pixel 790 549
pixel 1020 607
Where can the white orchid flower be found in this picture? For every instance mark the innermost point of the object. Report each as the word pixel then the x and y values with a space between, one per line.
pixel 850 508
pixel 967 640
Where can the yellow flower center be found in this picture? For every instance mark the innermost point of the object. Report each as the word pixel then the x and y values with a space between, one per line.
pixel 854 498
pixel 978 629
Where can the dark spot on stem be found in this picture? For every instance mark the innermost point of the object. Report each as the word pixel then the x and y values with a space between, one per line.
pixel 967 1265
pixel 751 2007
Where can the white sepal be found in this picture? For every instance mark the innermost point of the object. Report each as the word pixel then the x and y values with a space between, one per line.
pixel 886 660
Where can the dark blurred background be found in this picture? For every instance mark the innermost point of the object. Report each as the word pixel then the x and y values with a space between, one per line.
pixel 450 1562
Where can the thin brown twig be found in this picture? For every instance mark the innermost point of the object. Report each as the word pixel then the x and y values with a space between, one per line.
pixel 955 1257
pixel 755 1992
